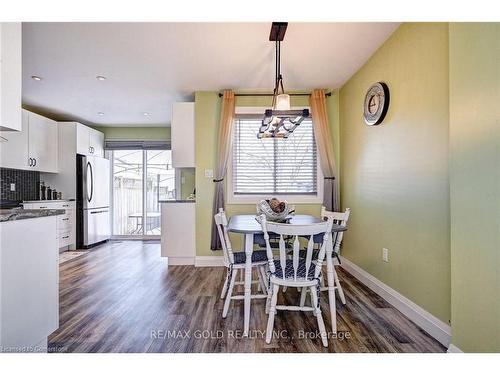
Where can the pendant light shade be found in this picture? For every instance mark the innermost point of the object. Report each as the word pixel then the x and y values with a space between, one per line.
pixel 282 102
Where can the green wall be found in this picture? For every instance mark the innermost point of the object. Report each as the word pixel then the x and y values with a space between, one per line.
pixel 135 133
pixel 207 113
pixel 475 186
pixel 394 176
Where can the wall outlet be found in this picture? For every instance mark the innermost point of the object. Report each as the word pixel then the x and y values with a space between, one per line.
pixel 385 255
pixel 12 187
pixel 209 173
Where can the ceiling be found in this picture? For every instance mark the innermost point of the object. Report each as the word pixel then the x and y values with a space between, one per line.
pixel 149 66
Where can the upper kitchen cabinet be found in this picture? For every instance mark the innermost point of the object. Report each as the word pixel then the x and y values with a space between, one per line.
pixel 42 143
pixel 14 147
pixel 10 76
pixel 34 147
pixel 182 135
pixel 89 141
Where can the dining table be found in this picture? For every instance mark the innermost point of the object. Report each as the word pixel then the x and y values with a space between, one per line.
pixel 250 227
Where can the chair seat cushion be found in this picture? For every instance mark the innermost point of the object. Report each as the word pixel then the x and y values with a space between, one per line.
pixel 257 256
pixel 289 271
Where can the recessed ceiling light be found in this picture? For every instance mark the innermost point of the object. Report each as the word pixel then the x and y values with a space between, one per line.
pixel 36 78
pixel 100 113
pixel 101 78
pixel 145 113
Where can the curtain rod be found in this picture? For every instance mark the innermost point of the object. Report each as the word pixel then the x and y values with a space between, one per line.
pixel 271 94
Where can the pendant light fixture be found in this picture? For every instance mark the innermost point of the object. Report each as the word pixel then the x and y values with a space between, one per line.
pixel 281 120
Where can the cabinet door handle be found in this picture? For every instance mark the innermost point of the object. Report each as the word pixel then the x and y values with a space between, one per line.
pixel 65 237
pixel 65 205
pixel 66 219
pixel 42 207
pixel 30 162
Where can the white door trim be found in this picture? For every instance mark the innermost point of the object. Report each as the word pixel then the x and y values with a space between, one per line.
pixel 425 320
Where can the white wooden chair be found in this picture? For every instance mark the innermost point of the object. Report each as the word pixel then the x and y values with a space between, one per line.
pixel 339 218
pixel 333 285
pixel 295 272
pixel 235 262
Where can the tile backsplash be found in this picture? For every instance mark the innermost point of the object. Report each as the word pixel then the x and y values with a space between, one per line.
pixel 27 184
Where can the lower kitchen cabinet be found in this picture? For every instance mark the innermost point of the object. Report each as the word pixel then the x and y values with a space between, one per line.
pixel 66 223
pixel 29 274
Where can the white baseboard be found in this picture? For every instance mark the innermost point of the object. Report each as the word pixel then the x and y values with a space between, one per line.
pixel 180 261
pixel 209 261
pixel 422 318
pixel 454 349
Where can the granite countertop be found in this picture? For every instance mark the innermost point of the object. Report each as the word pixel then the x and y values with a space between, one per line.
pixel 50 201
pixel 20 214
pixel 177 201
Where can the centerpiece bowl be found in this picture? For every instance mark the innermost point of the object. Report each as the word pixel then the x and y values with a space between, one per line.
pixel 274 209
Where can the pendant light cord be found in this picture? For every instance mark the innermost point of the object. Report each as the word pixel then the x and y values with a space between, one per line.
pixel 278 78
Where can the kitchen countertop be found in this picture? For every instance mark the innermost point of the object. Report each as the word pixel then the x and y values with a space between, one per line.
pixel 20 214
pixel 178 201
pixel 50 200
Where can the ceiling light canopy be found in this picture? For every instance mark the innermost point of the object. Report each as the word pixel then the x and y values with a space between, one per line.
pixel 281 120
pixel 100 113
pixel 36 78
pixel 100 78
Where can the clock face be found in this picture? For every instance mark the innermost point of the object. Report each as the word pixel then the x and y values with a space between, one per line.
pixel 376 103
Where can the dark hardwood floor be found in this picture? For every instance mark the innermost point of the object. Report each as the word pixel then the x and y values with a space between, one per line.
pixel 121 297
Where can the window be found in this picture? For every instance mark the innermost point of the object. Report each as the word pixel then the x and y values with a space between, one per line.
pixel 273 167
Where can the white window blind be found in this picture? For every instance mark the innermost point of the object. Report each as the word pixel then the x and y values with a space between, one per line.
pixel 273 165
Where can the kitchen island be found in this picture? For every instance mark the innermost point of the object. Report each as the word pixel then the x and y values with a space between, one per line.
pixel 29 278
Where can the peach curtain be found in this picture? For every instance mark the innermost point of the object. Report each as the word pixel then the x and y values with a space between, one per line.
pixel 324 143
pixel 224 147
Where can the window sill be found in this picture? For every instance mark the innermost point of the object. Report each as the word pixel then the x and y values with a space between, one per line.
pixel 292 199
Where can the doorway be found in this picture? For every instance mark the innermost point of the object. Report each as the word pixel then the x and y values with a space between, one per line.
pixel 141 179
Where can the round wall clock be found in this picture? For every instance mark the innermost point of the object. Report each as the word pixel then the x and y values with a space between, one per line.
pixel 376 103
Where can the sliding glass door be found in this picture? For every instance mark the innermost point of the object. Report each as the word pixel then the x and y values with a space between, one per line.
pixel 141 179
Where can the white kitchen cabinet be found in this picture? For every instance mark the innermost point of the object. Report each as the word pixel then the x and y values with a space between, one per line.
pixel 14 147
pixel 32 148
pixel 42 143
pixel 82 139
pixel 74 138
pixel 96 142
pixel 10 75
pixel 29 274
pixel 178 232
pixel 182 135
pixel 66 223
pixel 89 141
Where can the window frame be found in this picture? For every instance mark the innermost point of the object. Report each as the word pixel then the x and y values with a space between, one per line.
pixel 254 198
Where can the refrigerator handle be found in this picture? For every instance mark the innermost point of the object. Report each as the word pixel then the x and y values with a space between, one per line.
pixel 89 169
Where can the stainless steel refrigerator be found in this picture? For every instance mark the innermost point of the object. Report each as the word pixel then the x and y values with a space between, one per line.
pixel 92 192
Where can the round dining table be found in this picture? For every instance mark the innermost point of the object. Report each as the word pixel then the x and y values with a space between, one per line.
pixel 249 227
